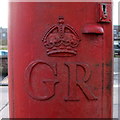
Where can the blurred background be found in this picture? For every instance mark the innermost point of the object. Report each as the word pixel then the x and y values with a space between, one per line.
pixel 4 103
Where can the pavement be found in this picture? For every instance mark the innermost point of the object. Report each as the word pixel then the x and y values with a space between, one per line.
pixel 4 102
pixel 4 82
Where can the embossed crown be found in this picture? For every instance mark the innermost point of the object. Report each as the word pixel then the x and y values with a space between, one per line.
pixel 61 40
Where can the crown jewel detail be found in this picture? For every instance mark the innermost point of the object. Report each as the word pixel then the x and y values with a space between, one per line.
pixel 61 40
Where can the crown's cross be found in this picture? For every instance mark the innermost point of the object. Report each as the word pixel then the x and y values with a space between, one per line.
pixel 61 27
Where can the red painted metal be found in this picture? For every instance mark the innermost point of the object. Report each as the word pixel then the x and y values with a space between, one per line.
pixel 93 29
pixel 56 71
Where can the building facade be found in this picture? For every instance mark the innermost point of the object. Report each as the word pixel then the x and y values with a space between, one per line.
pixel 116 33
pixel 3 36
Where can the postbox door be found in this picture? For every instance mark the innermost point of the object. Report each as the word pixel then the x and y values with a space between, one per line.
pixel 60 60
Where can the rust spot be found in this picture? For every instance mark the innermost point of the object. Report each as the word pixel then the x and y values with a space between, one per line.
pixel 95 88
pixel 97 65
pixel 109 77
pixel 102 64
pixel 109 64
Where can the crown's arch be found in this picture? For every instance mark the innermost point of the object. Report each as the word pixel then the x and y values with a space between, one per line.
pixel 61 39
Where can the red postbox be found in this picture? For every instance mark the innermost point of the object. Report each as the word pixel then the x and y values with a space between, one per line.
pixel 60 60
